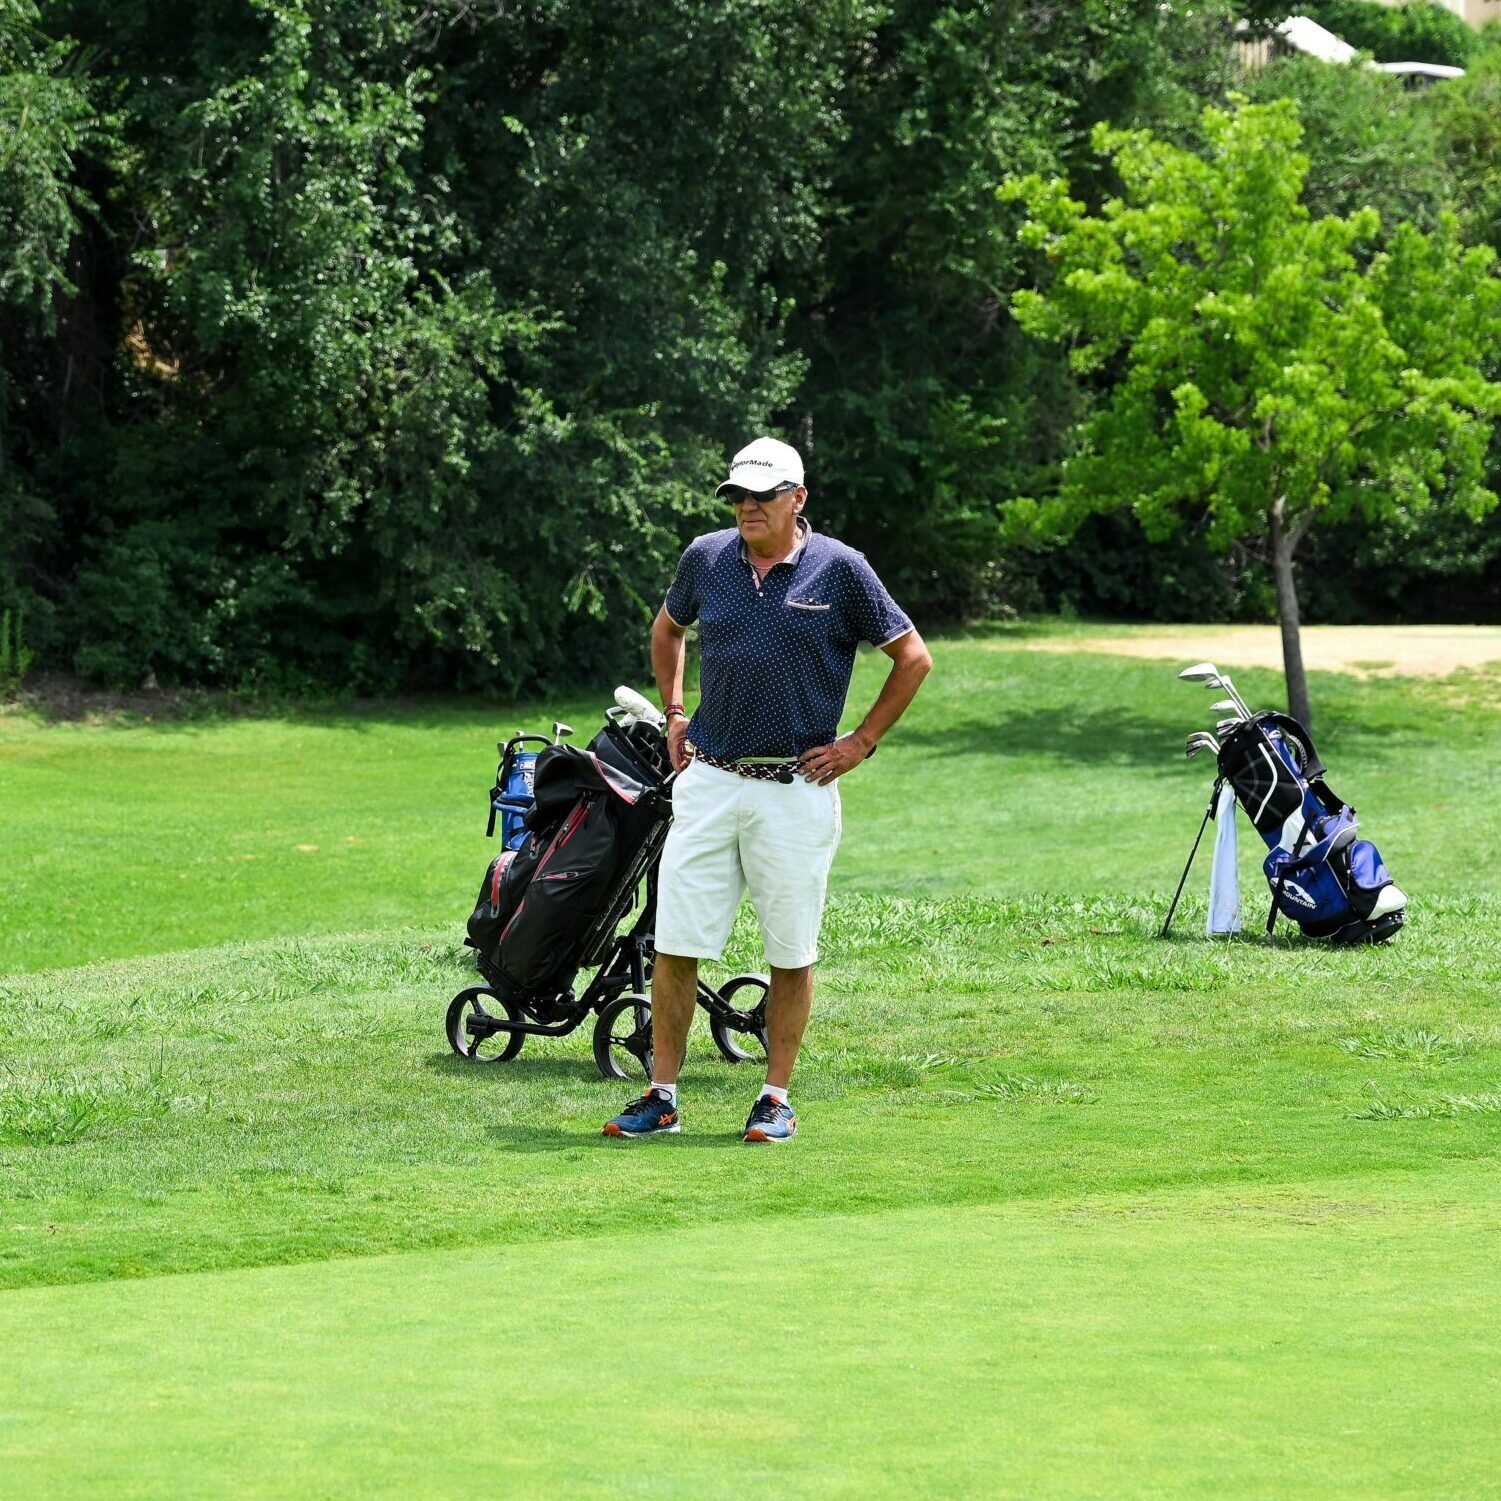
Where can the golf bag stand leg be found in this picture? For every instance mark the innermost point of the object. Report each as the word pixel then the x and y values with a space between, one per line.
pixel 1214 797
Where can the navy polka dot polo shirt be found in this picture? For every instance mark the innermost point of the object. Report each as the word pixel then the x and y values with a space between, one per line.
pixel 776 660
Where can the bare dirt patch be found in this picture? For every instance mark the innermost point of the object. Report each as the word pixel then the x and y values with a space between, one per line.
pixel 1360 650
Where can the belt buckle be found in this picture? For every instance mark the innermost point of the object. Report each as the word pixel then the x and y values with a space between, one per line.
pixel 768 768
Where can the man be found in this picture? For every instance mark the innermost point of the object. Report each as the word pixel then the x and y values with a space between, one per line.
pixel 780 611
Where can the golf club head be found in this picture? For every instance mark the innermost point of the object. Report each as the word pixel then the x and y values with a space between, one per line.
pixel 633 703
pixel 1199 673
pixel 1200 740
pixel 560 731
pixel 1224 706
pixel 1224 726
pixel 1242 707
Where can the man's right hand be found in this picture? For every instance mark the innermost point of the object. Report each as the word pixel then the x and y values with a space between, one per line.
pixel 677 741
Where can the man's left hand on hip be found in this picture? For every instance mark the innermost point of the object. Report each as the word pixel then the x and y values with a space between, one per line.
pixel 827 763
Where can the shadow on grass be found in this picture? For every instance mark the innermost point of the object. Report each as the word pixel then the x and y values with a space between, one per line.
pixel 1100 736
pixel 543 1139
pixel 56 698
pixel 1121 736
pixel 528 1069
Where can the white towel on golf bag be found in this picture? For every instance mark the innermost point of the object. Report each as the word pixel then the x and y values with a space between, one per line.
pixel 1224 873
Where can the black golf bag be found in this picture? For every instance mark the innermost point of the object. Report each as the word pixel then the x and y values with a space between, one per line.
pixel 1321 873
pixel 597 817
pixel 595 823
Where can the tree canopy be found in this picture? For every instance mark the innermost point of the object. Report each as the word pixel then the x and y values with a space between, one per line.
pixel 1272 368
pixel 387 344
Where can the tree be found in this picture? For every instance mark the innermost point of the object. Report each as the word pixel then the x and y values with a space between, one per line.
pixel 424 330
pixel 925 407
pixel 1370 142
pixel 1467 115
pixel 1270 368
pixel 44 115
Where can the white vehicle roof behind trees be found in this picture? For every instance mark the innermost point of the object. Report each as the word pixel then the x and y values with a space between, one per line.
pixel 1304 35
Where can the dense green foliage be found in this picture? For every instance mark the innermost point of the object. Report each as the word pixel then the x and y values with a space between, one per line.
pixel 43 118
pixel 390 345
pixel 926 407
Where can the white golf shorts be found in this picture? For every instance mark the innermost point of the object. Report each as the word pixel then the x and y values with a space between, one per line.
pixel 731 834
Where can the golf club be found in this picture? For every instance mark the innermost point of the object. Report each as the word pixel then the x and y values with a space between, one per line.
pixel 560 731
pixel 1221 681
pixel 1212 678
pixel 1245 711
pixel 1199 673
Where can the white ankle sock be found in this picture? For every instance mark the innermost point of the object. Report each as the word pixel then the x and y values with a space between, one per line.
pixel 775 1092
pixel 670 1090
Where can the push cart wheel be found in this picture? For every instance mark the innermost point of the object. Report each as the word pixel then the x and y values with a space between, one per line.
pixel 740 1032
pixel 622 1038
pixel 483 1045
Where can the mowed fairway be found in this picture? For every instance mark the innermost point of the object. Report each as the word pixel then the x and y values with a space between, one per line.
pixel 1075 1212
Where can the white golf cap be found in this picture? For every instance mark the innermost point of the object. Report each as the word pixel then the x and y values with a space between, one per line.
pixel 763 465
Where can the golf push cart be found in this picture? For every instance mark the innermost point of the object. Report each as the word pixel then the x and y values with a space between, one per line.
pixel 582 834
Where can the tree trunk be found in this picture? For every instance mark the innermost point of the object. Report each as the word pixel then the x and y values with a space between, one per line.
pixel 1285 539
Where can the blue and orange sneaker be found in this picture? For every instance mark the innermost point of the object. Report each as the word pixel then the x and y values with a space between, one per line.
pixel 652 1115
pixel 771 1119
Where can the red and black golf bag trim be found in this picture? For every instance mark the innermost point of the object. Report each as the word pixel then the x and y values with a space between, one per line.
pixel 1321 873
pixel 500 893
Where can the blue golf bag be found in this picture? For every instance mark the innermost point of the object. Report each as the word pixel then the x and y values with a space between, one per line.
pixel 1321 873
pixel 511 796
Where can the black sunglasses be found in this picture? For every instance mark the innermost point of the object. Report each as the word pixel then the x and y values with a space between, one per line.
pixel 737 495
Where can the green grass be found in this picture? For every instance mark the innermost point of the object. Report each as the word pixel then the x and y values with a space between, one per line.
pixel 293 1101
pixel 1075 1212
pixel 1015 772
pixel 1332 1341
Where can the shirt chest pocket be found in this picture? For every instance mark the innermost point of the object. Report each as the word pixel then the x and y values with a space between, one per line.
pixel 810 620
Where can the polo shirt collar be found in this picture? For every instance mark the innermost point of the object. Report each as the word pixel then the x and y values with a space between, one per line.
pixel 793 558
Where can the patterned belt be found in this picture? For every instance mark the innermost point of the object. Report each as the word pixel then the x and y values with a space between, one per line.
pixel 761 768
